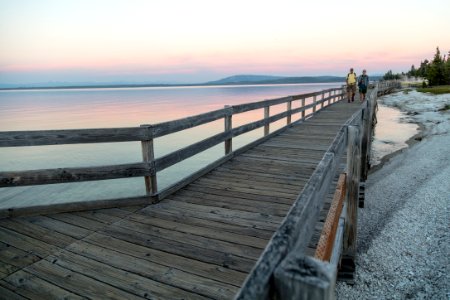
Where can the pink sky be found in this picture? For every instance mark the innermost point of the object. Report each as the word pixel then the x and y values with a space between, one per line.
pixel 199 40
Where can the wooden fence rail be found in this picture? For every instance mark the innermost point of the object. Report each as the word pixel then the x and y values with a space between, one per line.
pixel 147 135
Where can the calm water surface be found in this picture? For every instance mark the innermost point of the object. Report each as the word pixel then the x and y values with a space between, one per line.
pixel 127 107
pixel 391 132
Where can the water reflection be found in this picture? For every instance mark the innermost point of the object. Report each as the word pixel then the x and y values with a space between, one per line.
pixel 391 133
pixel 100 108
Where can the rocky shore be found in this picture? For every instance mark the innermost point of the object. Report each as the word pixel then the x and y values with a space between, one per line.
pixel 403 231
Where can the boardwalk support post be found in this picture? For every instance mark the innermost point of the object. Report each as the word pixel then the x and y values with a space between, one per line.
pixel 369 118
pixel 314 103
pixel 346 272
pixel 148 156
pixel 289 109
pixel 304 277
pixel 303 111
pixel 365 147
pixel 266 118
pixel 322 101
pixel 228 128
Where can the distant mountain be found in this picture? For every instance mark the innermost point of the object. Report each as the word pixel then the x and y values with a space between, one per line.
pixel 232 80
pixel 310 79
pixel 244 78
pixel 263 79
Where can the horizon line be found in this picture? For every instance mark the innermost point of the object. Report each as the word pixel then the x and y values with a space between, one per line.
pixel 86 85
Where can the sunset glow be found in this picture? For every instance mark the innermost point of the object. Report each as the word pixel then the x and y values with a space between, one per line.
pixel 199 40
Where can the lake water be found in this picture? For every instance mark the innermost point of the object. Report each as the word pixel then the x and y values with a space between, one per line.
pixel 124 107
pixel 102 108
pixel 391 132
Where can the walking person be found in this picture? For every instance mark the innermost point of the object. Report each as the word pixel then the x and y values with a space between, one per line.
pixel 351 86
pixel 363 83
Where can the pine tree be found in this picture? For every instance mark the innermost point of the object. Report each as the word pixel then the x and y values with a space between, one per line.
pixel 447 68
pixel 391 76
pixel 412 72
pixel 423 69
pixel 388 75
pixel 436 71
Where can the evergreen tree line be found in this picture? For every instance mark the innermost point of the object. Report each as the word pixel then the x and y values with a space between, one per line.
pixel 437 71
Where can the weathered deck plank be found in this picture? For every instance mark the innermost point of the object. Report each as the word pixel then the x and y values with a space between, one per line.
pixel 208 270
pixel 200 242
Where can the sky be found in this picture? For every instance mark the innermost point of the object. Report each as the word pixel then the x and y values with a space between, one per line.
pixel 189 41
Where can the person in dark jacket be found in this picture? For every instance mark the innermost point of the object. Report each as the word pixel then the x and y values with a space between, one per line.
pixel 363 83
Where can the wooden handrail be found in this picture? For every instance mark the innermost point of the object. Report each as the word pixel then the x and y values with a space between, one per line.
pixel 328 235
pixel 165 128
pixel 72 136
pixel 64 175
pixel 147 134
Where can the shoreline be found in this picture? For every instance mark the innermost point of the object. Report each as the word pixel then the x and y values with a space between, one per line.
pixel 413 113
pixel 403 238
pixel 412 141
pixel 301 80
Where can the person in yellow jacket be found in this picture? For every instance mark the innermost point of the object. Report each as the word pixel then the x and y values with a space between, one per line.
pixel 351 85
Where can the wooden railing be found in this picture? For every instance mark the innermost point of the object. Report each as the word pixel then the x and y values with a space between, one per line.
pixel 284 271
pixel 147 135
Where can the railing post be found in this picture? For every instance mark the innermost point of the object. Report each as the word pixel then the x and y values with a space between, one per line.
pixel 322 102
pixel 304 277
pixel 228 127
pixel 148 156
pixel 366 124
pixel 266 117
pixel 303 105
pixel 314 103
pixel 331 97
pixel 350 229
pixel 289 116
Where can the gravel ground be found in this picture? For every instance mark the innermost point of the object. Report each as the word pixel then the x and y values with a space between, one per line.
pixel 403 231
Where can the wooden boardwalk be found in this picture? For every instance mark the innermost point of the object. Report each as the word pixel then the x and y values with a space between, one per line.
pixel 198 243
